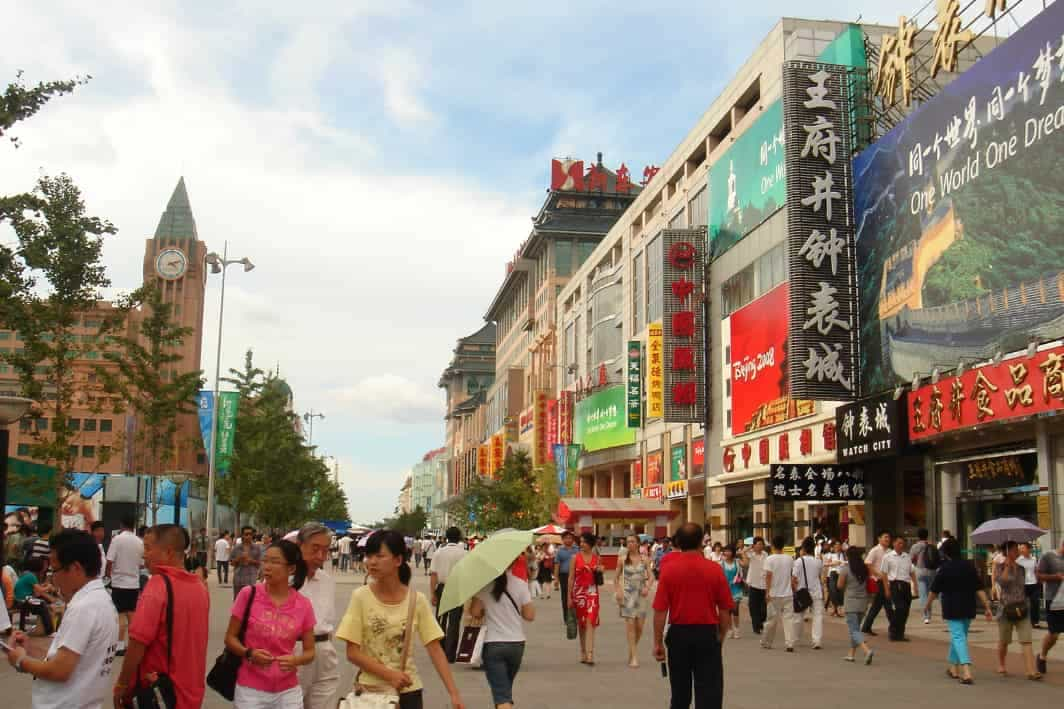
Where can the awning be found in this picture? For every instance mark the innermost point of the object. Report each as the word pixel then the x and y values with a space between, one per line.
pixel 614 508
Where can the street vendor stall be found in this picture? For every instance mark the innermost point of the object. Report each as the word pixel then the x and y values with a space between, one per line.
pixel 581 514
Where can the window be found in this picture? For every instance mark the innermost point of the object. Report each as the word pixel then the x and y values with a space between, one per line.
pixel 74 424
pixel 89 425
pixel 42 424
pixel 201 458
pixel 88 451
pixel 72 451
pixel 23 449
pixel 105 453
pixel 583 249
pixel 563 257
pixel 698 208
pixel 737 291
pixel 677 221
pixel 638 296
pixel 570 352
pixel 24 425
pixel 105 425
pixel 5 335
pixel 765 273
pixel 653 256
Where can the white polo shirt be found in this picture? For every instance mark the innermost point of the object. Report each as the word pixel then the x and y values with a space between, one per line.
pixel 444 560
pixel 321 591
pixel 897 567
pixel 126 556
pixel 89 628
pixel 221 550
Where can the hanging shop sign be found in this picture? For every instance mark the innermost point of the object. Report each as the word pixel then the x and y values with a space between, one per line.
pixel 552 423
pixel 637 474
pixel 823 352
pixel 655 472
pixel 561 466
pixel 698 455
pixel 1017 387
pixel 678 466
pixel 655 372
pixel 498 453
pixel 568 175
pixel 484 460
pixel 871 428
pixel 683 324
pixel 676 490
pixel 635 384
pixel 760 392
pixel 816 482
pixel 565 417
pixel 600 420
pixel 652 492
pixel 540 447
pixel 996 472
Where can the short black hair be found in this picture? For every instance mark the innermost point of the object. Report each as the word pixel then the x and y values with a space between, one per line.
pixel 245 530
pixel 922 534
pixel 43 528
pixel 758 539
pixel 454 535
pixel 884 531
pixel 77 546
pixel 808 545
pixel 128 522
pixel 777 542
pixel 97 525
pixel 689 536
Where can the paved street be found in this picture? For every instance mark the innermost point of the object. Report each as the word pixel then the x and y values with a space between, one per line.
pixel 551 677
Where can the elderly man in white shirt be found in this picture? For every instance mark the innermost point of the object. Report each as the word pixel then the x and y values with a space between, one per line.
pixel 321 677
pixel 900 574
pixel 75 671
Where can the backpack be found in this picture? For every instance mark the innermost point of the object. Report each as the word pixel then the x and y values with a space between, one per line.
pixel 932 558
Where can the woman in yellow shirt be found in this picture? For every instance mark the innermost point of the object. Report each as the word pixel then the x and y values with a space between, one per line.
pixel 374 626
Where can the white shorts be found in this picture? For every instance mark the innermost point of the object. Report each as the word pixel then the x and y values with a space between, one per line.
pixel 248 698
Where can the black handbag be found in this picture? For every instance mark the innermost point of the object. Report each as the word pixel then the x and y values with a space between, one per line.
pixel 222 677
pixel 160 694
pixel 600 580
pixel 803 599
pixel 1015 611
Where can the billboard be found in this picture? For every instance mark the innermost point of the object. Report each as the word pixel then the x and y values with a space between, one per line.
pixel 678 467
pixel 760 395
pixel 684 324
pixel 654 475
pixel 600 420
pixel 820 254
pixel 959 216
pixel 655 372
pixel 747 184
pixel 635 384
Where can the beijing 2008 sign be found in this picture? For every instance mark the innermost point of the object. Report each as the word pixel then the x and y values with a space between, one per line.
pixel 823 288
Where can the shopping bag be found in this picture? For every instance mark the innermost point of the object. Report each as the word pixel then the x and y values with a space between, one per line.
pixel 478 649
pixel 570 624
pixel 470 635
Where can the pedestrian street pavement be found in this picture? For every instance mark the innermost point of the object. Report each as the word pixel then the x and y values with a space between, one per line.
pixel 910 674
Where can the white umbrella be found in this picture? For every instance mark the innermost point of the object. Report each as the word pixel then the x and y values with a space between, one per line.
pixel 1006 529
pixel 549 529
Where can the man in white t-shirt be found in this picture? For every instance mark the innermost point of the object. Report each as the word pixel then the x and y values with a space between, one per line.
pixel 443 560
pixel 221 558
pixel 345 553
pixel 874 562
pixel 778 574
pixel 807 573
pixel 755 584
pixel 124 559
pixel 76 670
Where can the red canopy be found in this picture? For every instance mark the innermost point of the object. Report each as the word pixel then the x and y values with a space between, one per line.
pixel 618 508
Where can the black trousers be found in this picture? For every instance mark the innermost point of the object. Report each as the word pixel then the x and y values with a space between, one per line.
pixel 39 608
pixel 878 603
pixel 695 659
pixel 223 571
pixel 1034 600
pixel 563 581
pixel 451 623
pixel 901 599
pixel 758 608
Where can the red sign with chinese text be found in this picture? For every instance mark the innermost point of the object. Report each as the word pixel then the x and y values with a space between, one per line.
pixel 1015 388
pixel 565 418
pixel 698 456
pixel 541 451
pixel 655 468
pixel 637 474
pixel 758 368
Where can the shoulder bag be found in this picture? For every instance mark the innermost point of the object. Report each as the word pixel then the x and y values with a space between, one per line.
pixel 160 694
pixel 363 697
pixel 803 599
pixel 600 579
pixel 222 677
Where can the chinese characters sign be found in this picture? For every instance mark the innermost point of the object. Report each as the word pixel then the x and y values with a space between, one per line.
pixel 568 175
pixel 1017 387
pixel 483 460
pixel 565 417
pixel 816 482
pixel 635 384
pixel 870 428
pixel 600 420
pixel 823 299
pixel 683 324
pixel 655 372
pixel 498 453
pixel 540 443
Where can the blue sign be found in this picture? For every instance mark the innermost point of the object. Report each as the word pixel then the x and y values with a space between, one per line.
pixel 561 453
pixel 206 413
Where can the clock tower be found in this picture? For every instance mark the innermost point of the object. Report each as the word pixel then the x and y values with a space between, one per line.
pixel 174 260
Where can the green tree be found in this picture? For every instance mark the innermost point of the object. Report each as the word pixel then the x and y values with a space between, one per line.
pixel 51 280
pixel 409 523
pixel 19 102
pixel 145 372
pixel 330 502
pixel 518 498
pixel 239 485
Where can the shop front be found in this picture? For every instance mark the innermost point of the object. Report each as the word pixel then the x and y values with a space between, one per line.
pixel 636 516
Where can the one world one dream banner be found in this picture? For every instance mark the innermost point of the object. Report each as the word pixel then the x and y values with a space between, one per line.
pixel 229 400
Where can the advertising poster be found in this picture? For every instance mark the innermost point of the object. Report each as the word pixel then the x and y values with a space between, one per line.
pixel 748 183
pixel 229 401
pixel 678 467
pixel 654 468
pixel 959 216
pixel 759 388
pixel 601 420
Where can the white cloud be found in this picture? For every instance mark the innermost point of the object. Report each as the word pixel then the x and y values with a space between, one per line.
pixel 391 398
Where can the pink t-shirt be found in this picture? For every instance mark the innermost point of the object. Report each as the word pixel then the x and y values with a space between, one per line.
pixel 275 629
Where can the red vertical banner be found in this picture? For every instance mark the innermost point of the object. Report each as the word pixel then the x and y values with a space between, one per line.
pixel 541 452
pixel 683 324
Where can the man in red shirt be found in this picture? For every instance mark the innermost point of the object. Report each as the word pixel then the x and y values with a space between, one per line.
pixel 146 656
pixel 694 595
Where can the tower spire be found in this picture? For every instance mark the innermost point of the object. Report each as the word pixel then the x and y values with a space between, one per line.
pixel 177 221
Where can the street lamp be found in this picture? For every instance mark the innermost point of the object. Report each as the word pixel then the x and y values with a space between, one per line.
pixel 12 408
pixel 309 418
pixel 218 264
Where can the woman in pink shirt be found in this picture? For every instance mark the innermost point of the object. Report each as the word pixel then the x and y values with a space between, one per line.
pixel 279 618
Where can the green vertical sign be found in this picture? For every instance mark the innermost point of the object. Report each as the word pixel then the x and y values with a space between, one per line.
pixel 635 384
pixel 227 406
pixel 678 469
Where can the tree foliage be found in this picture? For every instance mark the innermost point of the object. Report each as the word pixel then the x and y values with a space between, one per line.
pixel 519 498
pixel 19 102
pixel 410 523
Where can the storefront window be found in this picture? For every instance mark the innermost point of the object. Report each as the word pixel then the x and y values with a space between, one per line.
pixel 783 520
pixel 740 518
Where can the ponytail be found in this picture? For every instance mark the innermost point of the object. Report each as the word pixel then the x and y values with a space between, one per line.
pixel 293 557
pixel 405 573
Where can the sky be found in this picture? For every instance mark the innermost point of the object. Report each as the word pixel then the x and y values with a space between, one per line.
pixel 379 162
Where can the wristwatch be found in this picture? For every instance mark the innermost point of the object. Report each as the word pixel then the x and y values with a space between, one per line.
pixel 18 664
pixel 247 654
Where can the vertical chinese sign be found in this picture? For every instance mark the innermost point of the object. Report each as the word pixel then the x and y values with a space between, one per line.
pixel 565 417
pixel 655 372
pixel 635 384
pixel 484 460
pixel 823 352
pixel 683 324
pixel 540 450
pixel 498 453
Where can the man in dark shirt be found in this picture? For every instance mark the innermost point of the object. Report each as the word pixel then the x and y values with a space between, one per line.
pixel 563 558
pixel 694 597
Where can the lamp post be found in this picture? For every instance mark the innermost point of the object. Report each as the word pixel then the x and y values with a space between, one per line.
pixel 12 408
pixel 309 418
pixel 218 264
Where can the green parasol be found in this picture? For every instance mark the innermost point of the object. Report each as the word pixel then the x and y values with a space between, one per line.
pixel 484 564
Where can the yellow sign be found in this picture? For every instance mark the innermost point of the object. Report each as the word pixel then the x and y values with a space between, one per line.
pixel 655 371
pixel 1043 505
pixel 676 490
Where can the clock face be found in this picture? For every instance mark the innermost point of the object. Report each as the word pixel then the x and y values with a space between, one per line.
pixel 171 264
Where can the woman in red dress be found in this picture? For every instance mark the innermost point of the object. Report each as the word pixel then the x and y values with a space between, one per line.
pixel 584 595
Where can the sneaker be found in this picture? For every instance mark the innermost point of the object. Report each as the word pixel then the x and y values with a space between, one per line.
pixel 817 647
pixel 735 634
pixel 849 659
pixel 926 621
pixel 790 649
pixel 868 657
pixel 1041 663
pixel 764 646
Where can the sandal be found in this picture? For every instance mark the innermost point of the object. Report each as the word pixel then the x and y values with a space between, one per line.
pixel 967 680
pixel 949 673
pixel 1035 677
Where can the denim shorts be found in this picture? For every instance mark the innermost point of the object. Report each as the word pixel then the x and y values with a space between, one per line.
pixel 501 661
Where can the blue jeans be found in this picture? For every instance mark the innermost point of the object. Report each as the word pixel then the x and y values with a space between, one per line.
pixel 853 623
pixel 958 641
pixel 923 584
pixel 501 661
